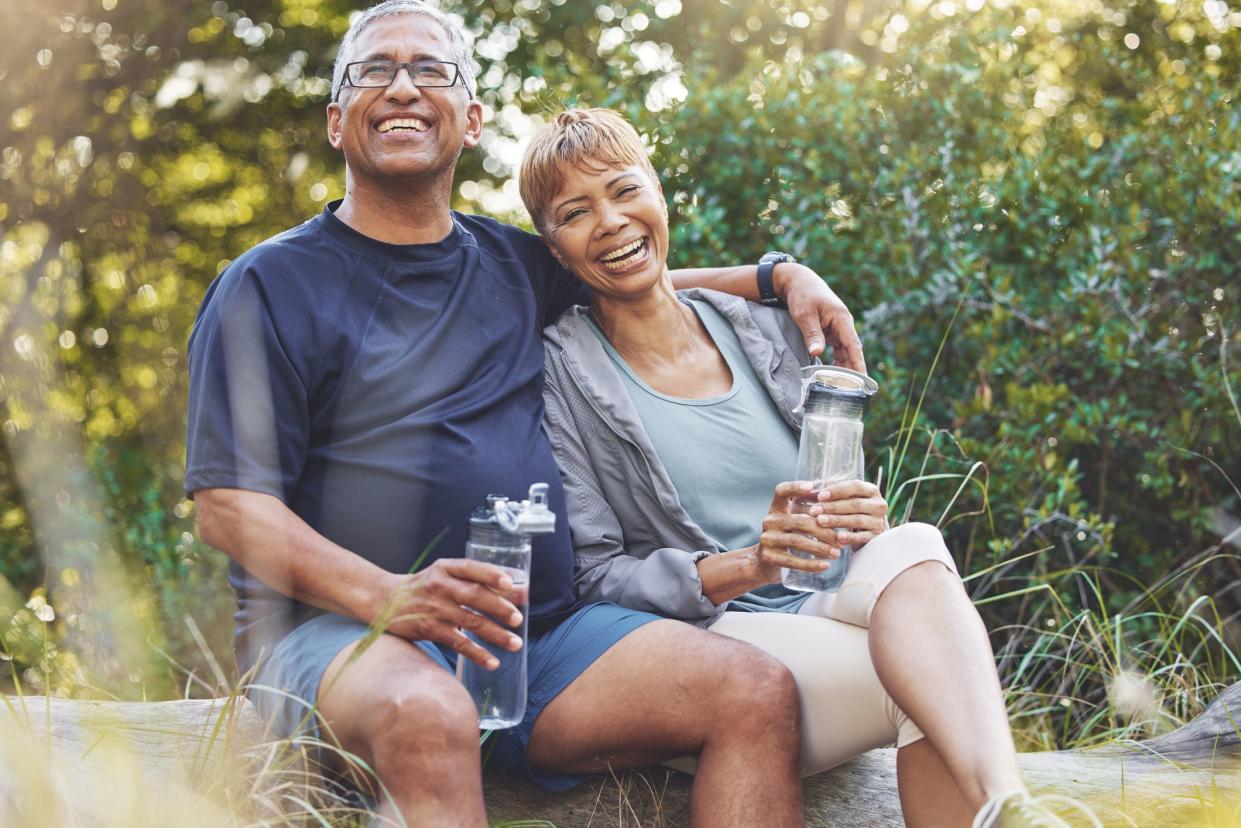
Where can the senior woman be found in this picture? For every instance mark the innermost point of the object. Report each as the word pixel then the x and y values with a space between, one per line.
pixel 673 419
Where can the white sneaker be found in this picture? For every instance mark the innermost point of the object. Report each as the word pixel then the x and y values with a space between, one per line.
pixel 1018 809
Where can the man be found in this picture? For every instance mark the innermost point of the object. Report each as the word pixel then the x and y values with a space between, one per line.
pixel 358 385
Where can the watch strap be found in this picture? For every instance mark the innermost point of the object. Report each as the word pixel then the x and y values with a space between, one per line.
pixel 766 290
pixel 766 270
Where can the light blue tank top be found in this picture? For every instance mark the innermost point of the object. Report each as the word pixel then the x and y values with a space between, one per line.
pixel 723 454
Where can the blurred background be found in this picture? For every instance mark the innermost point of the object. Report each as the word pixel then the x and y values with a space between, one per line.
pixel 1032 208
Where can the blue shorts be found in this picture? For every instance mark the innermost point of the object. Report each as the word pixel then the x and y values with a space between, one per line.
pixel 286 686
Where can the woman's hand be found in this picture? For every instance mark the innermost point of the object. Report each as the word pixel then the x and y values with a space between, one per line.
pixel 789 525
pixel 853 509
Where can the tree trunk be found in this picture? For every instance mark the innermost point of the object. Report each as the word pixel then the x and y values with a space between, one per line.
pixel 177 757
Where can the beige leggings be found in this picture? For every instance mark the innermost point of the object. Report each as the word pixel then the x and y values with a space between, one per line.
pixel 845 710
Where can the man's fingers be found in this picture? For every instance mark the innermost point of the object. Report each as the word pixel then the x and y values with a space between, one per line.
pixel 846 348
pixel 808 322
pixel 846 344
pixel 486 629
pixel 477 571
pixel 482 599
pixel 459 641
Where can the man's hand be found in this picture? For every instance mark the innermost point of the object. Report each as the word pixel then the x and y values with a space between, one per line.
pixel 819 313
pixel 453 595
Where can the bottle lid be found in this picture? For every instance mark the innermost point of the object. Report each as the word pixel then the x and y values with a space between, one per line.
pixel 827 382
pixel 485 517
pixel 534 516
pixel 526 517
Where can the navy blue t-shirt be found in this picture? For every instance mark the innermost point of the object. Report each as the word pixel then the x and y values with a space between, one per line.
pixel 382 392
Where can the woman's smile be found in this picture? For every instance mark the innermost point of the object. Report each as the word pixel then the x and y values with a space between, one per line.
pixel 627 256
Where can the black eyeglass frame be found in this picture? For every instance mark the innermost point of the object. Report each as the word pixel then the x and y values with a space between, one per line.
pixel 408 66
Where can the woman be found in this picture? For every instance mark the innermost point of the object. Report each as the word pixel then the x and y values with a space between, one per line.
pixel 673 418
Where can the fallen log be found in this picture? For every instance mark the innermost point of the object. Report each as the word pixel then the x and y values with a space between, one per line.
pixel 206 761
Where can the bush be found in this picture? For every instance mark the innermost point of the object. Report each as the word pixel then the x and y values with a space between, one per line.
pixel 1076 240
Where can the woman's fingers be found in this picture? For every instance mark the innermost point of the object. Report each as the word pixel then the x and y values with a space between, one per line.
pixel 857 539
pixel 801 524
pixel 876 506
pixel 776 542
pixel 782 558
pixel 843 489
pixel 789 491
pixel 854 522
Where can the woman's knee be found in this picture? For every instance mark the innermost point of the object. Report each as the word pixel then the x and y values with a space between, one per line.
pixel 916 538
pixel 911 544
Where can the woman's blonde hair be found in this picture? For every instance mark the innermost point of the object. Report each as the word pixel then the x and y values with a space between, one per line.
pixel 575 136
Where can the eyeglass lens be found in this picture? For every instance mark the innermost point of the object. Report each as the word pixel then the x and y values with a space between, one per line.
pixel 421 72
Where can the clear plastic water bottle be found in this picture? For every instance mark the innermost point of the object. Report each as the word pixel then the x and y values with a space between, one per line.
pixel 500 535
pixel 830 451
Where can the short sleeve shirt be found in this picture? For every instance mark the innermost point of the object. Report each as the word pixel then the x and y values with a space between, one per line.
pixel 382 392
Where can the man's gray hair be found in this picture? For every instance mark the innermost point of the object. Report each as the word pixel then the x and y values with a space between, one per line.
pixel 458 42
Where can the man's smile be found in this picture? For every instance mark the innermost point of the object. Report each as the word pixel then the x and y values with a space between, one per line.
pixel 402 123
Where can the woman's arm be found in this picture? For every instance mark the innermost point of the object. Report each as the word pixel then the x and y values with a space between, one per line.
pixel 665 581
pixel 849 513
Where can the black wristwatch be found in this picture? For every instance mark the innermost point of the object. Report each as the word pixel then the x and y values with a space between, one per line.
pixel 766 266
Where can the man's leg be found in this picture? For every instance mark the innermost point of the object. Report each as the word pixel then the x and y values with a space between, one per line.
pixel 413 723
pixel 668 689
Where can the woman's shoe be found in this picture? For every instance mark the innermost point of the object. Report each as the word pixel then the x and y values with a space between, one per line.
pixel 1018 809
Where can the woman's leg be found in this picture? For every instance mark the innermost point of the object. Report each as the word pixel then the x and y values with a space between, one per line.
pixel 931 651
pixel 845 710
pixel 925 631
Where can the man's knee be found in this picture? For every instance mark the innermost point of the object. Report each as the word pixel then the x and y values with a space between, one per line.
pixel 435 721
pixel 756 686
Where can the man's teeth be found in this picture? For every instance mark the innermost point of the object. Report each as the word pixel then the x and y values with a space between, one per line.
pixel 416 124
pixel 617 258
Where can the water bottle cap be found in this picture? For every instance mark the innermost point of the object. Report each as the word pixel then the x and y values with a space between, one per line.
pixel 526 517
pixel 832 383
pixel 485 517
pixel 534 517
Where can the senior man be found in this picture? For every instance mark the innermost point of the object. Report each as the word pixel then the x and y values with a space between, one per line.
pixel 357 385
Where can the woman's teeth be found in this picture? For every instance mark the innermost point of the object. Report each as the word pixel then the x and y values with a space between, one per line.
pixel 618 259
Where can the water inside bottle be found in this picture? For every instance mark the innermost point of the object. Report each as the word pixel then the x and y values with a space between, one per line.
pixel 828 580
pixel 500 694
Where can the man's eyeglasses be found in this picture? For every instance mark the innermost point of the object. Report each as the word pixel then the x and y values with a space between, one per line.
pixel 380 73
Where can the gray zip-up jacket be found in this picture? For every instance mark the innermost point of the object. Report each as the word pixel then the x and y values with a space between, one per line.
pixel 633 542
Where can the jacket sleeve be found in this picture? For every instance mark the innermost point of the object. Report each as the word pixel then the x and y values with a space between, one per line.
pixel 665 581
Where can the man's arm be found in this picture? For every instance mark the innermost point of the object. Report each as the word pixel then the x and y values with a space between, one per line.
pixel 813 305
pixel 271 542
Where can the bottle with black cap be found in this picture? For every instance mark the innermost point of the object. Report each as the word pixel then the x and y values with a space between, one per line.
pixel 830 451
